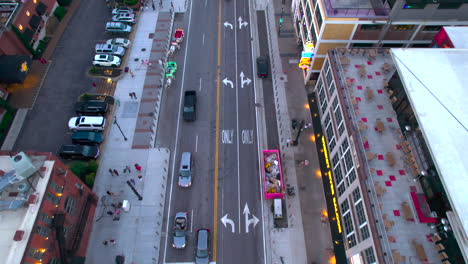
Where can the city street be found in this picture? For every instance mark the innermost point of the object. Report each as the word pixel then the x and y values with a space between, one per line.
pixel 238 235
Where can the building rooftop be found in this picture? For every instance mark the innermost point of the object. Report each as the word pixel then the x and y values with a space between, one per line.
pixel 20 216
pixel 436 81
pixel 7 10
pixel 458 36
pixel 395 194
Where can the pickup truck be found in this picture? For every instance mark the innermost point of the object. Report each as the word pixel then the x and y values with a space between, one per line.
pixel 190 106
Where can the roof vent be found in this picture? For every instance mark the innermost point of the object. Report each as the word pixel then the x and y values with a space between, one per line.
pixel 18 235
pixel 23 166
pixel 32 199
pixel 23 187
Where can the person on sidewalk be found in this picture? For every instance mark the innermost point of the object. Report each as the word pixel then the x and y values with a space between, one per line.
pixel 134 95
pixel 110 213
pixel 105 243
pixel 288 141
pixel 132 181
pixel 127 169
pixel 110 193
pixel 113 242
pixel 111 172
pixel 140 177
pixel 116 172
pixel 138 167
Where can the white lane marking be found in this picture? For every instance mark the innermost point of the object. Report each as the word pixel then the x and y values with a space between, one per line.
pixel 254 220
pixel 225 220
pixel 227 24
pixel 196 143
pixel 177 134
pixel 203 39
pixel 226 81
pixel 206 2
pixel 237 125
pixel 242 23
pixel 226 136
pixel 247 136
pixel 199 87
pixel 191 222
pixel 246 80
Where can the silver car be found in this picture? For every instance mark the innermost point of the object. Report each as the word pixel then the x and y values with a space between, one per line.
pixel 125 18
pixel 122 10
pixel 179 238
pixel 122 42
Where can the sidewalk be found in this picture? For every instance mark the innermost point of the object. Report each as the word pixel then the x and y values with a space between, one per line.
pixel 138 232
pixel 308 238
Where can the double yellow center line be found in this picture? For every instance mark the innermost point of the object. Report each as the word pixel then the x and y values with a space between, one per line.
pixel 216 165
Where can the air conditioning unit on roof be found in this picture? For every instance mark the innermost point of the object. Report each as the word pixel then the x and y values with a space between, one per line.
pixel 24 166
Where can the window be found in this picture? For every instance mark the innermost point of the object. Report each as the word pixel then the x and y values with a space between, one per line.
pixel 341 128
pixel 323 108
pixel 335 160
pixel 338 116
pixel 329 77
pixel 335 103
pixel 341 188
pixel 57 188
pixel 332 144
pixel 338 174
pixel 361 216
pixel 318 16
pixel 348 223
pixel 356 195
pixel 69 205
pixel 352 176
pixel 52 198
pixel 309 14
pixel 402 27
pixel 365 232
pixel 348 160
pixel 332 88
pixel 352 241
pixel 414 6
pixel 322 94
pixel 42 231
pixel 327 119
pixel 369 255
pixel 54 261
pixel 319 83
pixel 345 145
pixel 36 253
pixel 344 207
pixel 65 231
pixel 371 27
pixel 449 6
pixel 432 28
pixel 329 132
pixel 45 218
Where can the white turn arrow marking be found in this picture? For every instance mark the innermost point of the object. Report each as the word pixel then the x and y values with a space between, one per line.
pixel 248 221
pixel 225 220
pixel 227 24
pixel 226 81
pixel 242 23
pixel 247 80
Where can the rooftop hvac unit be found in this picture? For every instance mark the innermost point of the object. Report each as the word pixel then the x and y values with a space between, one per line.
pixel 24 166
pixel 23 187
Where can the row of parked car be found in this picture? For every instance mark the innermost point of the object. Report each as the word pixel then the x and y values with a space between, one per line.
pixel 87 130
pixel 110 54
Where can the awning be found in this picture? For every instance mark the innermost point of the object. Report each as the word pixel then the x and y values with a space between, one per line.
pixel 28 34
pixel 35 21
pixel 41 8
pixel 14 68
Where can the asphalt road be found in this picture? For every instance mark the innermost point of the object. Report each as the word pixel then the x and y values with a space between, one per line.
pixel 45 127
pixel 238 181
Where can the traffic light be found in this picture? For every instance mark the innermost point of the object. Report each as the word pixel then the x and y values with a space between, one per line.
pixel 281 21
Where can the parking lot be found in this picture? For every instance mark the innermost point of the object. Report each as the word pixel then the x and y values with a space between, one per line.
pixel 45 127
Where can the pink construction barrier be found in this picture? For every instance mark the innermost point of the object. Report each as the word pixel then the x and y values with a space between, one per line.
pixel 273 185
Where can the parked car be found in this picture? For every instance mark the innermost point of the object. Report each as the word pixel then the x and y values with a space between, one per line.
pixel 91 108
pixel 185 170
pixel 202 254
pixel 190 106
pixel 109 49
pixel 262 67
pixel 122 42
pixel 126 18
pixel 80 152
pixel 118 27
pixel 122 10
pixel 87 123
pixel 87 138
pixel 179 238
pixel 104 60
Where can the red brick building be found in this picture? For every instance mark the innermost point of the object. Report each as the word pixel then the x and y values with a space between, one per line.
pixel 46 210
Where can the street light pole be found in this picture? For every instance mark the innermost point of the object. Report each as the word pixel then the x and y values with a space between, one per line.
pixel 115 122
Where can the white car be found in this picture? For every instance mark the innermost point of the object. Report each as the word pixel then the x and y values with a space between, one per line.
pixel 87 123
pixel 122 10
pixel 125 18
pixel 104 60
pixel 122 42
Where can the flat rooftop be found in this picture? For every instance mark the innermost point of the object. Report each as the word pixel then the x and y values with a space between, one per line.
pixel 22 218
pixel 382 148
pixel 458 36
pixel 436 82
pixel 7 11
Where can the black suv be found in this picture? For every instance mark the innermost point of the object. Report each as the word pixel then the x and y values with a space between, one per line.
pixel 81 152
pixel 94 108
pixel 87 137
pixel 262 67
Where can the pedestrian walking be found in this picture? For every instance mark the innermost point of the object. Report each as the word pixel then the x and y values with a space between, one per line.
pixel 140 177
pixel 288 141
pixel 131 73
pixel 110 193
pixel 111 172
pixel 43 61
pixel 127 169
pixel 172 5
pixel 110 213
pixel 105 243
pixel 138 167
pixel 116 172
pixel 131 95
pixel 134 95
pixel 132 181
pixel 160 4
pixel 113 242
pixel 152 5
